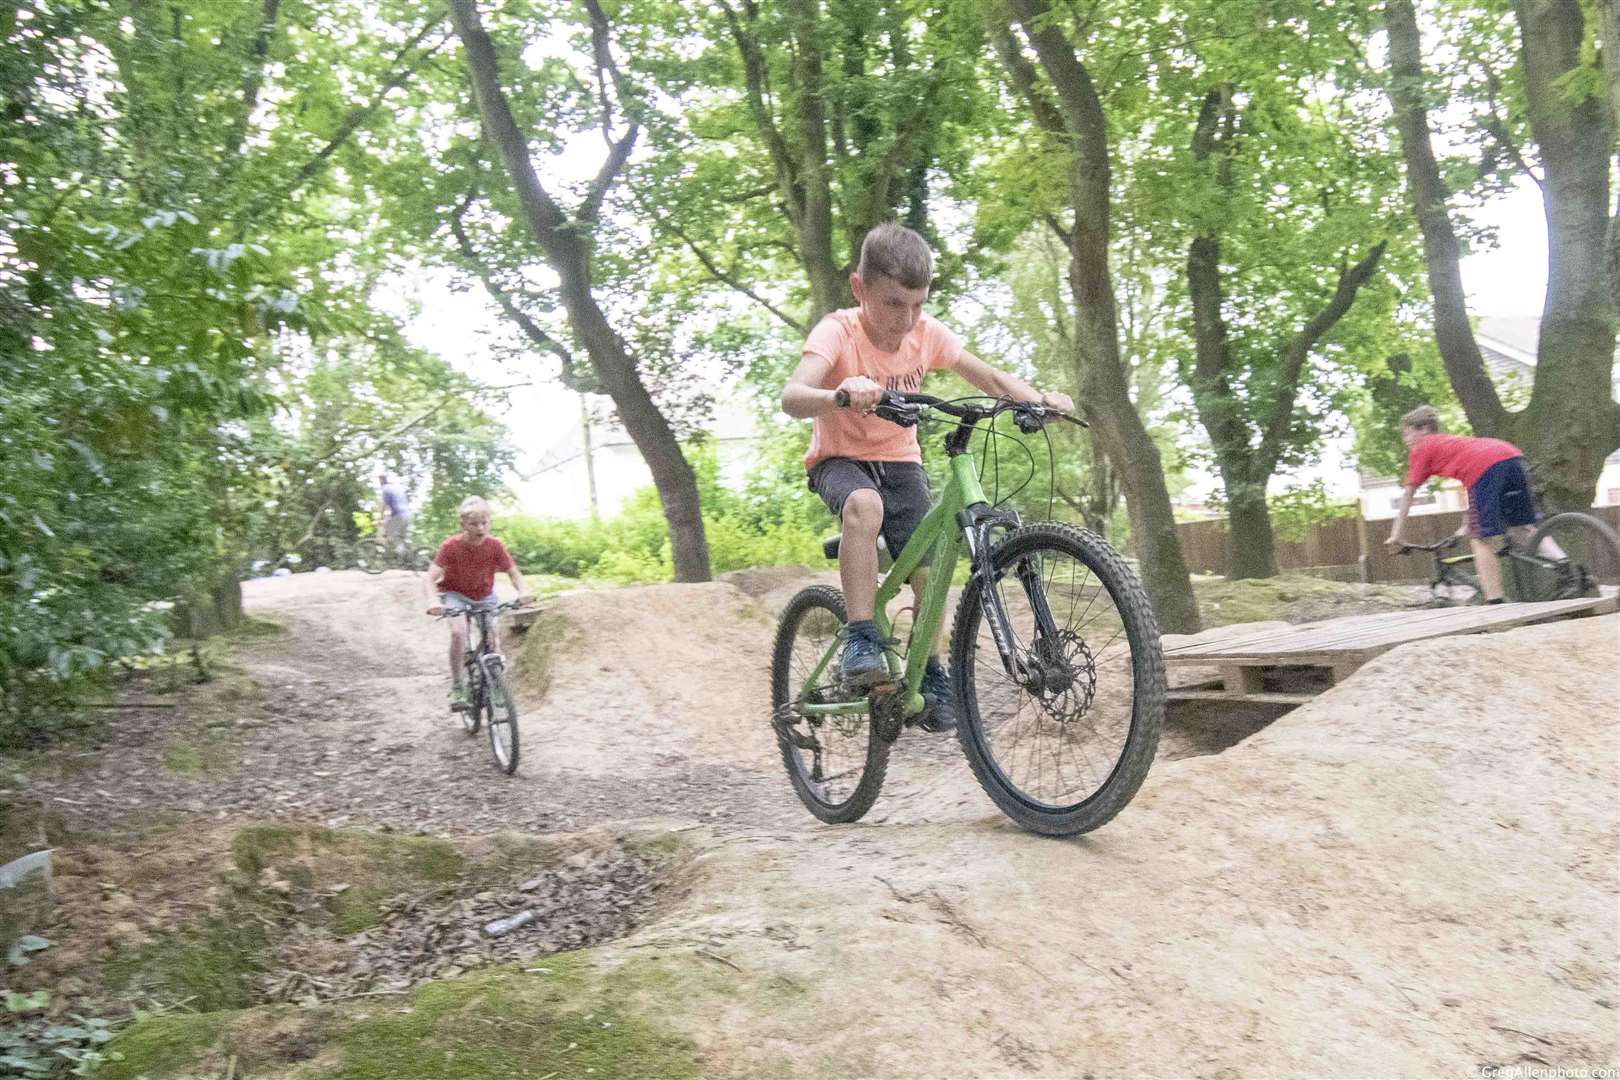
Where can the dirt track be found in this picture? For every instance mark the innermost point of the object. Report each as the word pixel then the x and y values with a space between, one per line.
pixel 1416 874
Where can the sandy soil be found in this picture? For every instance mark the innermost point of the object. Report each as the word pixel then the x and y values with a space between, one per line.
pixel 1415 874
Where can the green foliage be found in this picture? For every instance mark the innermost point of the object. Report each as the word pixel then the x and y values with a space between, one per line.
pixel 34 1047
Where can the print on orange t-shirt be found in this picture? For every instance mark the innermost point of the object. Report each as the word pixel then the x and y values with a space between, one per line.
pixel 840 340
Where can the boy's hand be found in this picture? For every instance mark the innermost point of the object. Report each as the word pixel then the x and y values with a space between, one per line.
pixel 436 609
pixel 864 394
pixel 523 599
pixel 1394 543
pixel 1053 399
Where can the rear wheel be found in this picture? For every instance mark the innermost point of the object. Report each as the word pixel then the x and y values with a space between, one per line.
pixel 1592 549
pixel 1063 744
pixel 501 715
pixel 371 556
pixel 836 762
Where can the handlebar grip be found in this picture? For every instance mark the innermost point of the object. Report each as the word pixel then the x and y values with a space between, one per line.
pixel 841 398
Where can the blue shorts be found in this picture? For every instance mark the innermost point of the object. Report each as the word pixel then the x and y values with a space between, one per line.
pixel 456 602
pixel 1501 499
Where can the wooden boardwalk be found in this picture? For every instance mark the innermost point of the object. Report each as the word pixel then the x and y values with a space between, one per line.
pixel 1290 665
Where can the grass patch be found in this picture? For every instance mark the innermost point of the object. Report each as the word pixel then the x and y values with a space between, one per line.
pixel 211 967
pixel 1294 598
pixel 202 751
pixel 569 1019
pixel 544 639
pixel 373 866
pixel 164 1045
pixel 254 628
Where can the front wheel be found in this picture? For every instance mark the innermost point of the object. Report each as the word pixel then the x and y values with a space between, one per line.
pixel 1063 742
pixel 500 714
pixel 835 761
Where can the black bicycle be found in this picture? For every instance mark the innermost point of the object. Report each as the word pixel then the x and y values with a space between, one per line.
pixel 489 702
pixel 1569 555
pixel 376 554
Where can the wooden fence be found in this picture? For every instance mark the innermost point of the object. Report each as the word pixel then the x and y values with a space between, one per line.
pixel 1348 549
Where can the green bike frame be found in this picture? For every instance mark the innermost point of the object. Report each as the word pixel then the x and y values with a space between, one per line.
pixel 939 535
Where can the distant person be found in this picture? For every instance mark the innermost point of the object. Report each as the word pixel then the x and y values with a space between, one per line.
pixel 396 514
pixel 462 577
pixel 868 471
pixel 1500 502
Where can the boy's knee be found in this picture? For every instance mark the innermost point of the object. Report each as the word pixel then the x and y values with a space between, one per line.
pixel 863 511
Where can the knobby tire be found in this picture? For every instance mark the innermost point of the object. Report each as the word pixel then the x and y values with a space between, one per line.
pixel 785 694
pixel 1147 675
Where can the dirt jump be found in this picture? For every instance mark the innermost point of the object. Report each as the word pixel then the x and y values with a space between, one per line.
pixel 1414 874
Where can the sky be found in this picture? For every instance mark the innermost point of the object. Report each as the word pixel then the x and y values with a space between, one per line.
pixel 1509 280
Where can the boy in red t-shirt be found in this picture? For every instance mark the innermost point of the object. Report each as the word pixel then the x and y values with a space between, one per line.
pixel 868 471
pixel 1499 497
pixel 463 576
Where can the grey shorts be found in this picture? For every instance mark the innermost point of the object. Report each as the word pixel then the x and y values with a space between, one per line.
pixel 454 601
pixel 902 485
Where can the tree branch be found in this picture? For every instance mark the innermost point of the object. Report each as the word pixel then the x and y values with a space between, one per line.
pixel 618 149
pixel 357 117
pixel 1459 352
pixel 787 169
pixel 531 329
pixel 1299 349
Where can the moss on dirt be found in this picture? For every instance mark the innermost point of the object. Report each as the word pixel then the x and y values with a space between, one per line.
pixel 568 1017
pixel 196 752
pixel 546 636
pixel 210 967
pixel 356 870
pixel 1296 598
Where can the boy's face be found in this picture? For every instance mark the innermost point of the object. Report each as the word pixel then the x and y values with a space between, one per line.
pixel 888 308
pixel 1411 435
pixel 475 526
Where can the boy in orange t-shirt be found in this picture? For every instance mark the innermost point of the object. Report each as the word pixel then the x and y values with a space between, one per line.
pixel 868 471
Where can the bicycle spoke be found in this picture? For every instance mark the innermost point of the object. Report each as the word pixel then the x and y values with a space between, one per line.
pixel 1054 745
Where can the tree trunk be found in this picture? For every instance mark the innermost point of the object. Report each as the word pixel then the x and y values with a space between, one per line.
pixel 568 254
pixel 1248 518
pixel 1572 422
pixel 1101 374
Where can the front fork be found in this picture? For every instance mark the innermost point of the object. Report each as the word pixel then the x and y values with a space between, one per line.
pixel 977 523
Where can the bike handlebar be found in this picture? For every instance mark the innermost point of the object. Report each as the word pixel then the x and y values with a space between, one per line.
pixel 1438 545
pixel 905 409
pixel 505 605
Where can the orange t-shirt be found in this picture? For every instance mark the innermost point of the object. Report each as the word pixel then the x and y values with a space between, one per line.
pixel 840 339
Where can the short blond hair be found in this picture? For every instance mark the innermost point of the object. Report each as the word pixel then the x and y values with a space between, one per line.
pixel 1422 418
pixel 473 504
pixel 893 251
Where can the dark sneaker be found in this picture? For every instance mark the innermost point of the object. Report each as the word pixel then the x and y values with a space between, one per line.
pixel 863 661
pixel 939 711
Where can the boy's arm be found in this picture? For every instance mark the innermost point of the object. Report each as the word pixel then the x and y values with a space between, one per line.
pixel 435 575
pixel 998 383
pixel 1394 540
pixel 804 396
pixel 515 576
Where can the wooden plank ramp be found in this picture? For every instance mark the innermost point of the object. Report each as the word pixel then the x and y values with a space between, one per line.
pixel 1290 665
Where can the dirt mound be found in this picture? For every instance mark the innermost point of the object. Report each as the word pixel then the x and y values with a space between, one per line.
pixel 641 681
pixel 1426 854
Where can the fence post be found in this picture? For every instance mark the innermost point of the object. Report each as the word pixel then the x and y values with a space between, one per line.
pixel 1363 563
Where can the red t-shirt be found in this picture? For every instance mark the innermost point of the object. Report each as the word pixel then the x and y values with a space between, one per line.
pixel 1460 457
pixel 470 569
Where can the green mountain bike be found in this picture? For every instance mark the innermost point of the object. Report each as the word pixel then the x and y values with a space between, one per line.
pixel 1055 659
